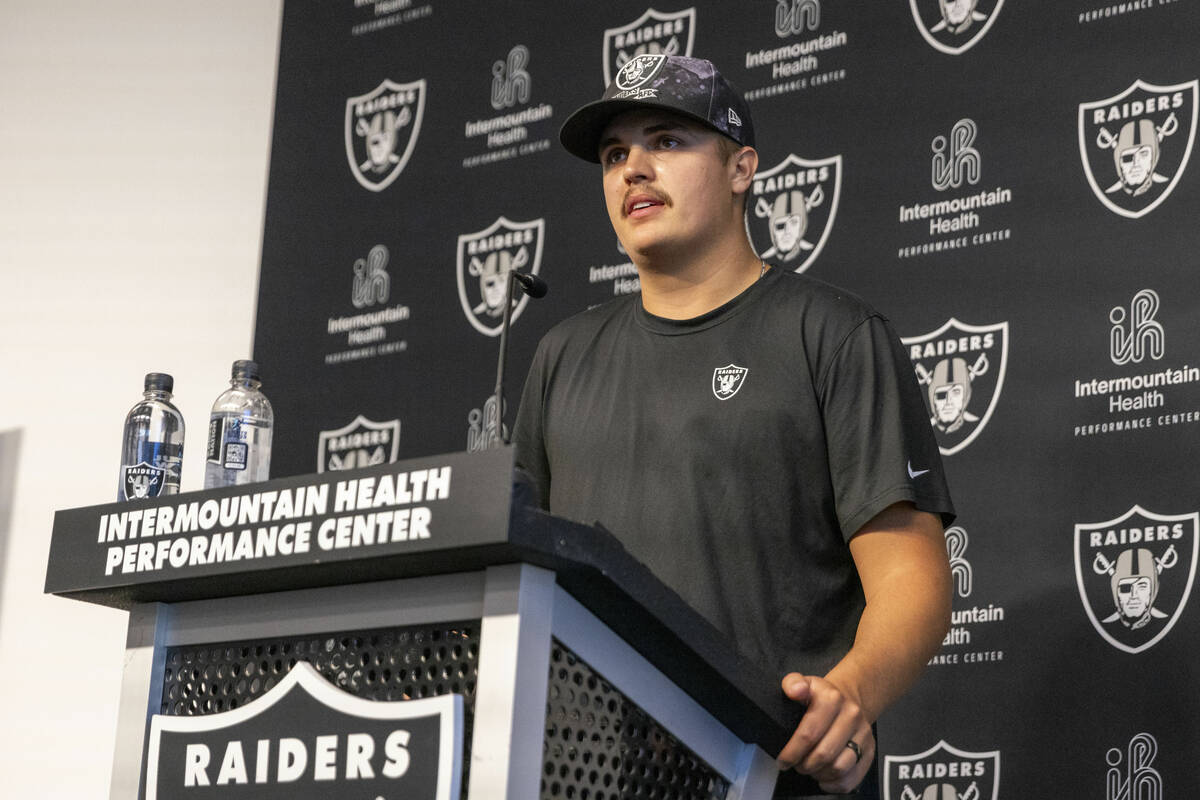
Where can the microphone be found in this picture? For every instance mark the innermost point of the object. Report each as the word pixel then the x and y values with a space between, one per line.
pixel 531 284
pixel 535 287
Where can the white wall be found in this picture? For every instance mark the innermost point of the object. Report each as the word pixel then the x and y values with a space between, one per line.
pixel 133 157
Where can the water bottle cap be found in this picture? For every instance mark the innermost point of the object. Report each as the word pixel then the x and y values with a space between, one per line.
pixel 244 368
pixel 159 382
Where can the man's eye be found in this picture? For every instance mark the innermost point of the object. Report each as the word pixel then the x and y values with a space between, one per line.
pixel 613 156
pixel 668 142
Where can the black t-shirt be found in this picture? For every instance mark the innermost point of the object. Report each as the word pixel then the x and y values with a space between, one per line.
pixel 736 453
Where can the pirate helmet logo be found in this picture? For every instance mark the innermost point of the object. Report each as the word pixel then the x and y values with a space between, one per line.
pixel 652 34
pixel 381 131
pixel 954 26
pixel 728 380
pixel 143 480
pixel 1135 145
pixel 943 772
pixel 961 368
pixel 793 206
pixel 1135 574
pixel 484 260
pixel 361 443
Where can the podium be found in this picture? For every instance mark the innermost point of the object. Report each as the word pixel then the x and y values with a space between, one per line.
pixel 282 637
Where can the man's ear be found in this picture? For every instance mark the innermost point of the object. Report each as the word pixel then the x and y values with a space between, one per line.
pixel 742 167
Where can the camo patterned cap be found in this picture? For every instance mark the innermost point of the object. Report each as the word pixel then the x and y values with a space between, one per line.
pixel 691 87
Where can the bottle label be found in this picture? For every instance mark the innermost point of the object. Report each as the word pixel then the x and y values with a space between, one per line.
pixel 215 436
pixel 142 480
pixel 235 455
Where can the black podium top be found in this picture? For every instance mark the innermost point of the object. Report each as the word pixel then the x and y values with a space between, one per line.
pixel 425 516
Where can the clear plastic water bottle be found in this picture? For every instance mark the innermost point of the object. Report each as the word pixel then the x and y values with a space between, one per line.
pixel 152 447
pixel 239 431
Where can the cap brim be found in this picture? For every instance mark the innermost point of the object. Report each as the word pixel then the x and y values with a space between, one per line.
pixel 580 134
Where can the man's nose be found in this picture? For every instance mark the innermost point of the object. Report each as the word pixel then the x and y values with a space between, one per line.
pixel 638 166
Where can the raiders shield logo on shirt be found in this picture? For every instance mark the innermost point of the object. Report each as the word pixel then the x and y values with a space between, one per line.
pixel 1136 144
pixel 1135 574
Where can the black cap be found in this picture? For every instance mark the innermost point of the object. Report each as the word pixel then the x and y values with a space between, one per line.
pixel 691 87
pixel 159 382
pixel 244 368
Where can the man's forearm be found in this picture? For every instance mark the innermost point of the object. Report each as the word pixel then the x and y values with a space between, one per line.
pixel 902 562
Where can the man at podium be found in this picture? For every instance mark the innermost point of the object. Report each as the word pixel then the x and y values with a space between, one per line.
pixel 754 436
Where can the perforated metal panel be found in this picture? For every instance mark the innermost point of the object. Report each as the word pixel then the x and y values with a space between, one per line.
pixel 399 663
pixel 601 746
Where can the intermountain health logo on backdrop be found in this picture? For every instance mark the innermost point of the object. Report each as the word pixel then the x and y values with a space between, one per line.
pixel 508 134
pixel 964 631
pixel 943 772
pixel 954 26
pixel 305 738
pixel 653 33
pixel 1136 144
pixel 382 127
pixel 373 328
pixel 622 274
pixel 1131 774
pixel 484 260
pixel 793 49
pixel 484 427
pixel 362 443
pixel 794 206
pixel 1144 393
pixel 958 220
pixel 1135 574
pixel 961 367
pixel 373 16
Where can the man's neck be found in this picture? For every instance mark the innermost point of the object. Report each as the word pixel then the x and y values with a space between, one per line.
pixel 684 286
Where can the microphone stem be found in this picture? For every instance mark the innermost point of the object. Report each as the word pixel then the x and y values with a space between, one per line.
pixel 504 325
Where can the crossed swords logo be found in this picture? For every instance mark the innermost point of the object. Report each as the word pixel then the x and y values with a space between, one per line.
pixel 972 793
pixel 1106 141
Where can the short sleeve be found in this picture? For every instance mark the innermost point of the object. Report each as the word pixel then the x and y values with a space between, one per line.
pixel 881 445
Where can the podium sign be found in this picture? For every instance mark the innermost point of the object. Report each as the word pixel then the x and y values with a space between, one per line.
pixel 308 739
pixel 364 519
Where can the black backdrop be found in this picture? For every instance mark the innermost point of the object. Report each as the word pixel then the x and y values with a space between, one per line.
pixel 960 177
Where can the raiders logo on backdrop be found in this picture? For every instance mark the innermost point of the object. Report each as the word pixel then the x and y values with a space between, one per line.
pixel 1135 145
pixel 143 480
pixel 484 260
pixel 382 127
pixel 942 772
pixel 954 26
pixel 362 443
pixel 1130 774
pixel 961 368
pixel 728 380
pixel 793 205
pixel 1135 574
pixel 653 33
